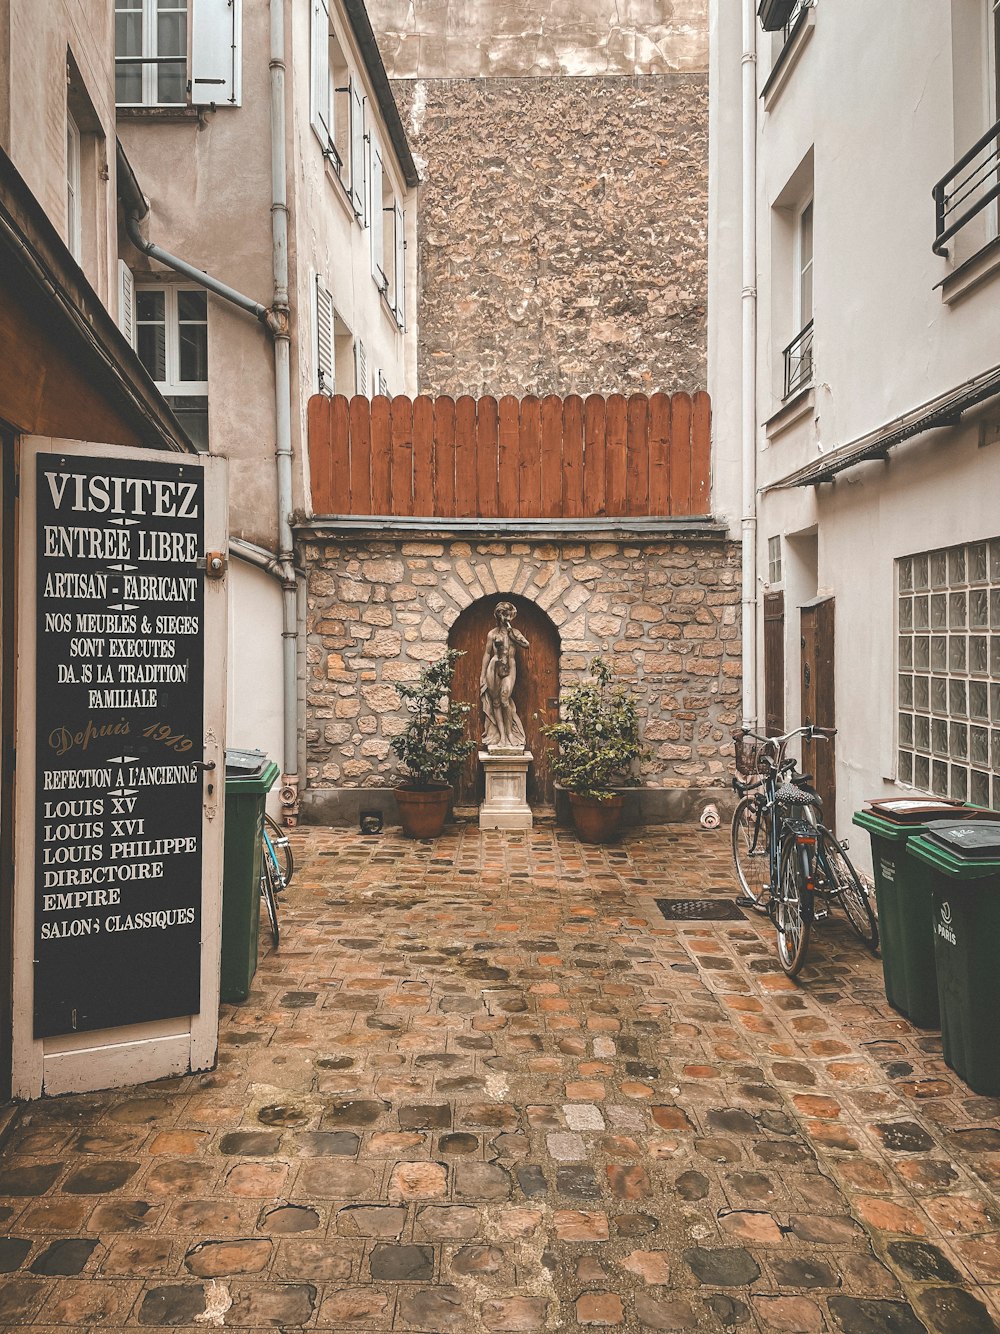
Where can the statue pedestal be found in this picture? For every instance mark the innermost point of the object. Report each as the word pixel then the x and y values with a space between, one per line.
pixel 506 805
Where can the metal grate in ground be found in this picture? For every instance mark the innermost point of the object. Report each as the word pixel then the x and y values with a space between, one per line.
pixel 700 910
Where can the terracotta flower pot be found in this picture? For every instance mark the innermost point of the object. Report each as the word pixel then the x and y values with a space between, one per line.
pixel 423 811
pixel 596 821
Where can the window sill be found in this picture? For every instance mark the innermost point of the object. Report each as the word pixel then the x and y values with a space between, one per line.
pixel 790 55
pixel 340 190
pixel 178 114
pixel 388 312
pixel 969 275
pixel 790 413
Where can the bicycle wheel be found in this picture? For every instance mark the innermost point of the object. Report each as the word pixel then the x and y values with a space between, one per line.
pixel 793 909
pixel 750 849
pixel 282 851
pixel 267 894
pixel 850 890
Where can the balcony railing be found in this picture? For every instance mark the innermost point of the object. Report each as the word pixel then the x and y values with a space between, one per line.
pixel 971 185
pixel 799 362
pixel 782 15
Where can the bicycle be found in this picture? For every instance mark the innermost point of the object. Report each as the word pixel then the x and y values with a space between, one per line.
pixel 785 857
pixel 276 869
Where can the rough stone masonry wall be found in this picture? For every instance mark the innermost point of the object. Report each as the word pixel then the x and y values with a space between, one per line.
pixel 665 614
pixel 562 232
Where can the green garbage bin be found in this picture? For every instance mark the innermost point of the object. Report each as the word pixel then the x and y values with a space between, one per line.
pixel 903 898
pixel 965 868
pixel 249 778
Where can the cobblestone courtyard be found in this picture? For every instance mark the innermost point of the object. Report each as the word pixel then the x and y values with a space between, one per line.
pixel 485 1086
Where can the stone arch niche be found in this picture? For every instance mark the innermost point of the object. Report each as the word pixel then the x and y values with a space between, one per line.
pixel 536 690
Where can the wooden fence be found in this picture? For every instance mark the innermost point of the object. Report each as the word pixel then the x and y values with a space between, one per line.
pixel 511 458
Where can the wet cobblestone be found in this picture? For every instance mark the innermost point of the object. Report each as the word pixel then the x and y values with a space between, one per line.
pixel 485 1086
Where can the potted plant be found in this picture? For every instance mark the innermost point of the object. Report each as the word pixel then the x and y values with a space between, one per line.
pixel 598 743
pixel 432 748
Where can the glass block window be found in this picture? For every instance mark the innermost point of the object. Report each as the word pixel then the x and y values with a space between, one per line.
pixel 948 672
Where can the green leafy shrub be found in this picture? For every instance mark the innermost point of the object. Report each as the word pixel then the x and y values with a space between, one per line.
pixel 434 745
pixel 597 736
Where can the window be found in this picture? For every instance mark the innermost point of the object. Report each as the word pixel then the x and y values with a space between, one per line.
pixel 338 115
pixel 798 355
pixel 151 52
pixel 948 671
pixel 388 240
pixel 74 213
pixel 774 560
pixel 172 342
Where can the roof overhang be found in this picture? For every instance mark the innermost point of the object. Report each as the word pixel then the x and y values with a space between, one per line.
pixel 944 410
pixel 365 36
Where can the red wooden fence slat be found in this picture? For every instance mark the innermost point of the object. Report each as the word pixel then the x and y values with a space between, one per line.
pixel 465 457
pixel 637 456
pixel 529 460
pixel 423 456
pixel 487 456
pixel 401 411
pixel 617 413
pixel 359 418
pixel 680 454
pixel 444 456
pixel 594 457
pixel 381 452
pixel 509 433
pixel 659 454
pixel 551 456
pixel 572 457
pixel 340 455
pixel 701 454
pixel 320 472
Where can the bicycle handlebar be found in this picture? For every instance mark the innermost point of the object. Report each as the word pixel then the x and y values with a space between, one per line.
pixel 810 731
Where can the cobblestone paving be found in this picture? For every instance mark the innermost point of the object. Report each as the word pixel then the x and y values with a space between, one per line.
pixel 485 1086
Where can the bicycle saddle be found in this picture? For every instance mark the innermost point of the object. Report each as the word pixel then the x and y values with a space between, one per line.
pixel 790 795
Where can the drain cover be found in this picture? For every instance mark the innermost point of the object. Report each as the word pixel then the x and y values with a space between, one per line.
pixel 700 910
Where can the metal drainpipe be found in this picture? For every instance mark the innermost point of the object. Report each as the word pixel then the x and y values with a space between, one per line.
pixel 283 415
pixel 749 359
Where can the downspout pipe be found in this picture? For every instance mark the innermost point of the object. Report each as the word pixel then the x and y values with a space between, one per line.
pixel 748 431
pixel 136 208
pixel 280 332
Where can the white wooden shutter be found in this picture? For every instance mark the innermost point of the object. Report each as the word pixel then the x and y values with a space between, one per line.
pixel 399 290
pixel 321 71
pixel 216 58
pixel 360 368
pixel 325 378
pixel 126 302
pixel 378 217
pixel 383 385
pixel 358 190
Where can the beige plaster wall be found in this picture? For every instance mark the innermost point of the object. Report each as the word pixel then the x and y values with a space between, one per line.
pixel 467 39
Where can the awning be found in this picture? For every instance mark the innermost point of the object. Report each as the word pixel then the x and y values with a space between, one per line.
pixel 945 410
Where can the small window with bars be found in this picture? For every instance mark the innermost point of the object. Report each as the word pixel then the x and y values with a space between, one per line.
pixel 948 671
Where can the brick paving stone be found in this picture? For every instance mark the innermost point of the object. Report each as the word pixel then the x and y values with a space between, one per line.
pixel 483 1083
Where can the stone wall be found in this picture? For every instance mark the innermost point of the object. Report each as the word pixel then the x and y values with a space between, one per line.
pixel 666 614
pixel 562 233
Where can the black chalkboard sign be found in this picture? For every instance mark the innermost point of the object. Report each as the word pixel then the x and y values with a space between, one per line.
pixel 120 712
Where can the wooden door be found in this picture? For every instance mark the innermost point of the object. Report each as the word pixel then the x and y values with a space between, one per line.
pixel 818 706
pixel 536 690
pixel 774 663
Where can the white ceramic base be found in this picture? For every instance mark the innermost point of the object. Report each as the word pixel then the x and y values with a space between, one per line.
pixel 506 804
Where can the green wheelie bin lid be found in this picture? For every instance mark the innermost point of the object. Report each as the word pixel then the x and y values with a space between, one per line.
pixel 249 771
pixel 969 850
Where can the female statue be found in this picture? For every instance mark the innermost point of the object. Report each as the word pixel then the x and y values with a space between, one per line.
pixel 503 729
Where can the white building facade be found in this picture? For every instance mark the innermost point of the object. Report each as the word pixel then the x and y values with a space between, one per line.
pixel 267 150
pixel 854 267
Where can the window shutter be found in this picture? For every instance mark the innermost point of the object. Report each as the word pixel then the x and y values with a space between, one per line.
pixel 383 385
pixel 215 52
pixel 321 71
pixel 378 217
pixel 325 380
pixel 360 368
pixel 357 150
pixel 126 302
pixel 399 222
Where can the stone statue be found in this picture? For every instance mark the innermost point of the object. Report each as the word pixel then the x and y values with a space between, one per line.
pixel 503 729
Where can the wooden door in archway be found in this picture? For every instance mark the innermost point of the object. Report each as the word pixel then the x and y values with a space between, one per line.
pixel 536 691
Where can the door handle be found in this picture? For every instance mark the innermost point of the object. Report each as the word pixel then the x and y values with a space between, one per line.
pixel 806 675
